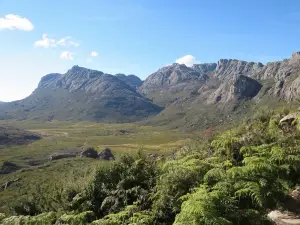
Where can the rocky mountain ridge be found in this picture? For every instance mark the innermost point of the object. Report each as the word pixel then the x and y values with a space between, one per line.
pixel 84 94
pixel 284 74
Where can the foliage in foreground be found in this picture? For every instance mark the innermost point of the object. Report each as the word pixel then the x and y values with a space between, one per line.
pixel 234 179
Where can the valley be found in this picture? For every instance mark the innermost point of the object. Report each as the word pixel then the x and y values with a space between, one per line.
pixel 87 147
pixel 35 169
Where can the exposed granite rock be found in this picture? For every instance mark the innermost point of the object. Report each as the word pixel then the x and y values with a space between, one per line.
pixel 9 183
pixel 284 218
pixel 229 67
pixel 57 156
pixel 288 119
pixel 237 88
pixel 205 68
pixel 172 76
pixel 106 154
pixel 8 167
pixel 291 214
pixel 132 80
pixel 89 153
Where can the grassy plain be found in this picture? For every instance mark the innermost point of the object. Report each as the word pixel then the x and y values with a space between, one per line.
pixel 58 137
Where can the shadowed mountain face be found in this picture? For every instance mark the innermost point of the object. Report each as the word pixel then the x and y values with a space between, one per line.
pixel 82 94
pixel 11 136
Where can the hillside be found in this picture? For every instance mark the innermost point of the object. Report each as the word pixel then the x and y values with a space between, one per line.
pixel 13 136
pixel 132 80
pixel 237 177
pixel 219 93
pixel 176 96
pixel 82 94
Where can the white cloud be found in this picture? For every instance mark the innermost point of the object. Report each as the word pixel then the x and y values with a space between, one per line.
pixel 66 55
pixel 188 60
pixel 47 42
pixel 67 42
pixel 13 22
pixel 94 54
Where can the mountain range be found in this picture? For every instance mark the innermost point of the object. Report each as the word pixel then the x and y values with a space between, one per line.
pixel 175 94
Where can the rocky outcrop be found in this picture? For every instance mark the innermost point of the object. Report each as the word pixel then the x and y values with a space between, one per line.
pixel 89 153
pixel 288 119
pixel 8 167
pixel 9 183
pixel 57 156
pixel 291 213
pixel 132 80
pixel 237 88
pixel 230 67
pixel 205 68
pixel 284 218
pixel 173 77
pixel 106 154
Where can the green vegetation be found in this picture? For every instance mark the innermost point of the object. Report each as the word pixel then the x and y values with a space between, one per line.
pixel 235 178
pixel 36 172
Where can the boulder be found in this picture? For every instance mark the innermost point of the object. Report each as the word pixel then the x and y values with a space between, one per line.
pixel 291 215
pixel 57 156
pixel 288 119
pixel 106 154
pixel 8 167
pixel 89 153
pixel 284 218
pixel 8 184
pixel 152 155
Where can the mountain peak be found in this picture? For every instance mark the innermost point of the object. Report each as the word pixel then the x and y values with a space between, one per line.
pixel 296 55
pixel 132 80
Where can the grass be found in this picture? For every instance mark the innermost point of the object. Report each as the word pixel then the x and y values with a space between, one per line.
pixel 64 137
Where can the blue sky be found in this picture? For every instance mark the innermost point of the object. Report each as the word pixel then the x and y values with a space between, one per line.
pixel 137 36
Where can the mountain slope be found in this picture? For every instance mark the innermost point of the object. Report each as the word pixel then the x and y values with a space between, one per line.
pixel 82 94
pixel 132 80
pixel 218 93
pixel 191 97
pixel 10 135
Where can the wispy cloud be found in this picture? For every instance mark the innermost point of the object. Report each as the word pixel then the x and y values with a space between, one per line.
pixel 94 54
pixel 45 42
pixel 66 55
pixel 48 42
pixel 188 60
pixel 15 22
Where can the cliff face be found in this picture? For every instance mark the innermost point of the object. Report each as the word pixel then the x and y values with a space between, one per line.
pixel 132 80
pixel 219 79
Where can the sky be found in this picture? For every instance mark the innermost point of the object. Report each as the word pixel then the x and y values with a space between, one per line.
pixel 137 36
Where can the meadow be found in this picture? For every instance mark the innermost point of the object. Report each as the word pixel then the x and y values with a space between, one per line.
pixel 66 137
